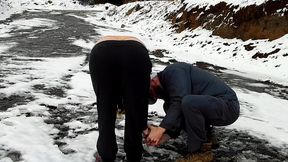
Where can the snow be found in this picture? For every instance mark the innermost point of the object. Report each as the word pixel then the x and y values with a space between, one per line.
pixel 262 115
pixel 82 89
pixel 42 72
pixel 24 24
pixel 33 138
pixel 9 7
pixel 194 44
pixel 21 130
pixel 208 3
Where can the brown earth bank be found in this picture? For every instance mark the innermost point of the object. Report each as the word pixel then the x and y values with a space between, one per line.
pixel 266 21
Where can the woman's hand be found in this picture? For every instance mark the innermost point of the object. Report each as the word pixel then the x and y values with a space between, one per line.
pixel 155 135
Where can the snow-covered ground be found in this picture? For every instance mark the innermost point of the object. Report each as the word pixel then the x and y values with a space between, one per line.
pixel 198 45
pixel 208 3
pixel 9 7
pixel 262 115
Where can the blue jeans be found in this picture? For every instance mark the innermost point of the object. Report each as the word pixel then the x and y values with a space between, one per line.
pixel 200 111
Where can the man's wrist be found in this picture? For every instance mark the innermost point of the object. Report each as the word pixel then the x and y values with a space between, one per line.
pixel 161 129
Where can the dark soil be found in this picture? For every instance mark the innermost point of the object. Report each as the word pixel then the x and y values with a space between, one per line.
pixel 14 100
pixel 52 91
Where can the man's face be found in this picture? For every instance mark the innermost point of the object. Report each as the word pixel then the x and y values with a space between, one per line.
pixel 152 99
pixel 153 91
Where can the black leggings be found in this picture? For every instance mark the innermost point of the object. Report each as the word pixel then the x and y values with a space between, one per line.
pixel 120 73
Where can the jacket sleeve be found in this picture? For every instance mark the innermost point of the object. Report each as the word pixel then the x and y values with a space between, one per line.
pixel 175 84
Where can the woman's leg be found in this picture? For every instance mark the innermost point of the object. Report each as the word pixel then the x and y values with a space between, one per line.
pixel 103 71
pixel 136 81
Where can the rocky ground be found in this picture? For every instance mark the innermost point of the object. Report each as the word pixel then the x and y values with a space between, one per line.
pixel 235 146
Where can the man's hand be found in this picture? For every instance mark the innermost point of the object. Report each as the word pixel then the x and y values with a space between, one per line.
pixel 146 132
pixel 155 135
pixel 164 138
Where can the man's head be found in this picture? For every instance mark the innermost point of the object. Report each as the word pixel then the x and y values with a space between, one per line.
pixel 155 89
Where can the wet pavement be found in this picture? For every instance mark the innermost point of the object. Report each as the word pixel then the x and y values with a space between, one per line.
pixel 38 42
pixel 43 42
pixel 50 42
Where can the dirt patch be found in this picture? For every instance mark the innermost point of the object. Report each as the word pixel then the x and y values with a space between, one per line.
pixel 134 9
pixel 52 91
pixel 26 59
pixel 159 53
pixel 249 47
pixel 265 55
pixel 62 114
pixel 209 67
pixel 67 77
pixel 14 100
pixel 239 146
pixel 14 155
pixel 55 91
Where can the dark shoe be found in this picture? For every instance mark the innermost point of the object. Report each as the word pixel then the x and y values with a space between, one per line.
pixel 211 138
pixel 207 146
pixel 213 141
pixel 198 157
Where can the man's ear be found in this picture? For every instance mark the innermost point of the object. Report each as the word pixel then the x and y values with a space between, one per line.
pixel 155 81
pixel 152 98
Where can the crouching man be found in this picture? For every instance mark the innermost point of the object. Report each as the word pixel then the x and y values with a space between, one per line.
pixel 195 100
